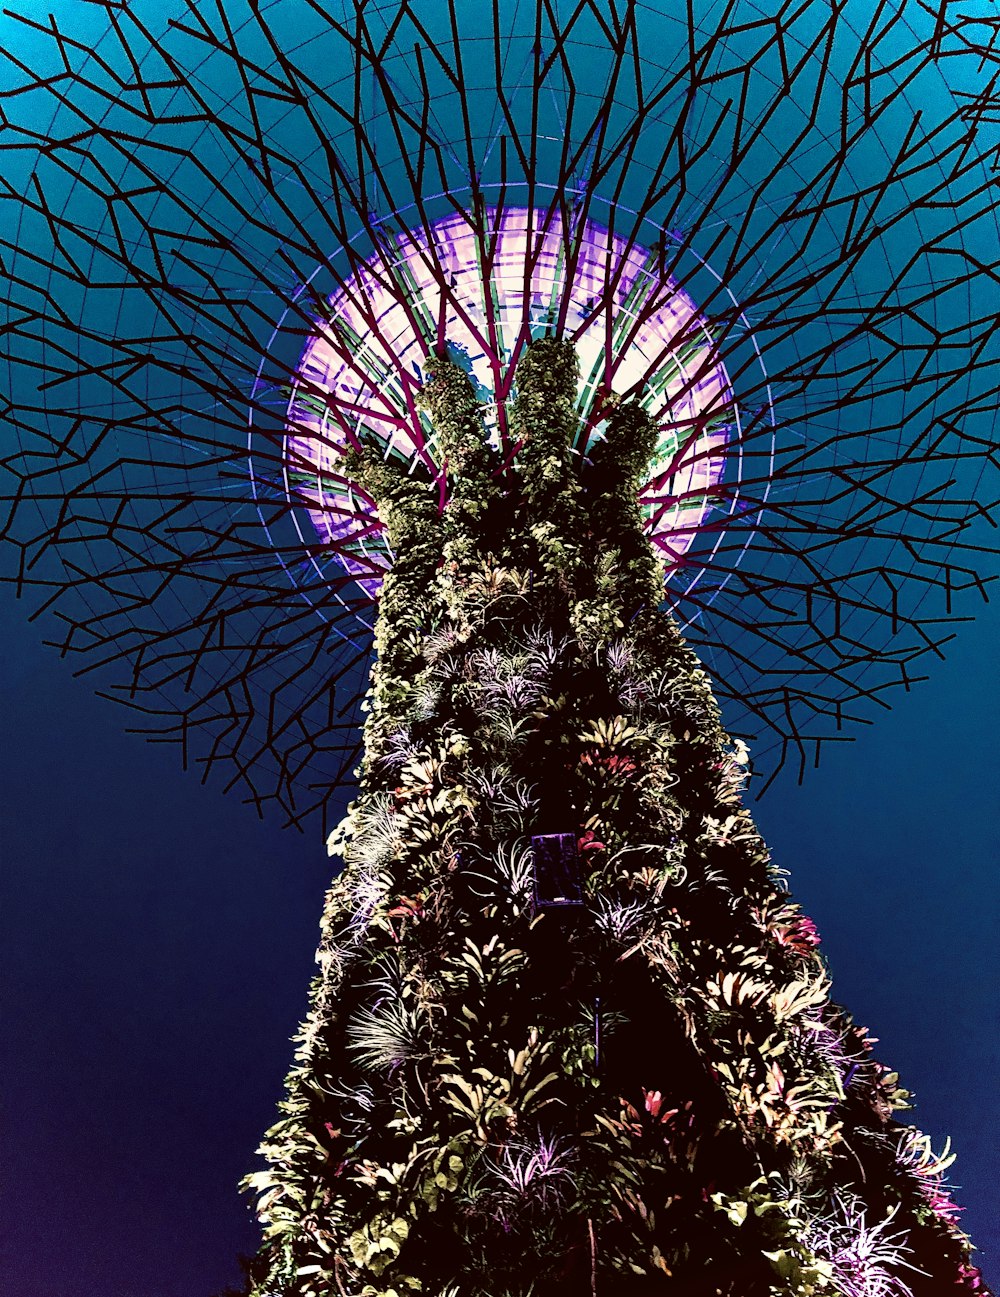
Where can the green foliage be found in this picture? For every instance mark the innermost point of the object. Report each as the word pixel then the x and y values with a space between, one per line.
pixel 487 1101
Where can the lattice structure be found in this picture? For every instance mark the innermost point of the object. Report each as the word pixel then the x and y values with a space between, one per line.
pixel 481 289
pixel 190 200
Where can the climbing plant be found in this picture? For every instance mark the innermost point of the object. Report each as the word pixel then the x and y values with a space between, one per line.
pixel 637 1083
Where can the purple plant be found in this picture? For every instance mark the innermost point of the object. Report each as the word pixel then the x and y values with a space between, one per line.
pixel 864 1257
pixel 529 1175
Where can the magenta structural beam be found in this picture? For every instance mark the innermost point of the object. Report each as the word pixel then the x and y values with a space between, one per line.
pixel 463 285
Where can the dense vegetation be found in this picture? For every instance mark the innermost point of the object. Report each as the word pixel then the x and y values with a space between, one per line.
pixel 650 1091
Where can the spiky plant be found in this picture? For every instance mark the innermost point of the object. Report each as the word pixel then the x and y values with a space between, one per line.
pixel 648 1091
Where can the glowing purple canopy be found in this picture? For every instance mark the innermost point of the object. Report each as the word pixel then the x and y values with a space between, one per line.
pixel 484 291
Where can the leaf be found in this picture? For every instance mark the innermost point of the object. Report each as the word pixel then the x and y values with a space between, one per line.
pixel 529 1095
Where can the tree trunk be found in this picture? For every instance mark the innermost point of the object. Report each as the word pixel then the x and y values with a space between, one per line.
pixel 570 1034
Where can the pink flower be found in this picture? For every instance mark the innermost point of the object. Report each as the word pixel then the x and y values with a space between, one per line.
pixel 654 1105
pixel 970 1278
pixel 799 934
pixel 942 1206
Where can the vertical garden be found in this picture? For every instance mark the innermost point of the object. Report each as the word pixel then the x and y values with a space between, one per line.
pixel 570 1031
pixel 616 383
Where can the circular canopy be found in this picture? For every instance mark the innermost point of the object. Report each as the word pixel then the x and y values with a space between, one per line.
pixel 196 194
pixel 486 292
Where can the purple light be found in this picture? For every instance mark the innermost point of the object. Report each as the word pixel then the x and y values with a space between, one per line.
pixel 485 291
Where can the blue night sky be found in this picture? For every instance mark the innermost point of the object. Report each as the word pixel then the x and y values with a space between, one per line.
pixel 157 946
pixel 158 943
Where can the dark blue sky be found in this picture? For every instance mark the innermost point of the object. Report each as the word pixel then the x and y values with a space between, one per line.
pixel 158 944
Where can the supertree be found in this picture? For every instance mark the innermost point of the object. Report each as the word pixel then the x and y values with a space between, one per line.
pixel 420 324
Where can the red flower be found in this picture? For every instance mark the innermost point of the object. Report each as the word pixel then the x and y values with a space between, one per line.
pixel 409 907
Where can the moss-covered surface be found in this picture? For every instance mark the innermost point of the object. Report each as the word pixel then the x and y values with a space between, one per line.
pixel 650 1093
